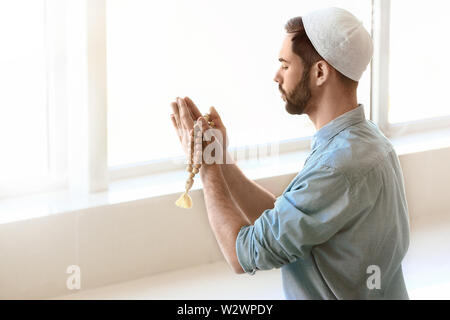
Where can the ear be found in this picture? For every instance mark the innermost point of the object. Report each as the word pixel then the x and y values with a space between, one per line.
pixel 321 72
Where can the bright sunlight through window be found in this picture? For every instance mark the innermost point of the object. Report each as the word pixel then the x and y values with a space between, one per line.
pixel 220 53
pixel 23 119
pixel 418 68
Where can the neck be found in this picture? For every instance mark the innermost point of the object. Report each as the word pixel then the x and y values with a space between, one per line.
pixel 331 106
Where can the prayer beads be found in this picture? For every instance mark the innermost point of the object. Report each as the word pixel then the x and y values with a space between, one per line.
pixel 195 163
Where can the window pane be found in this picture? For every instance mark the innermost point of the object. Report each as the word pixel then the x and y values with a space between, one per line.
pixel 220 53
pixel 23 113
pixel 418 53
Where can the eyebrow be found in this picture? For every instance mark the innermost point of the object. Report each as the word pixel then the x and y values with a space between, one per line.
pixel 283 60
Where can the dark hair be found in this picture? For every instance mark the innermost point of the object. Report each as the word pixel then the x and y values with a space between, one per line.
pixel 302 46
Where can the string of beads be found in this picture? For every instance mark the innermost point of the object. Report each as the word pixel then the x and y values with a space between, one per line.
pixel 194 164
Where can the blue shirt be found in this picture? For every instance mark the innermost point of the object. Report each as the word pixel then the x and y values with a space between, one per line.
pixel 340 229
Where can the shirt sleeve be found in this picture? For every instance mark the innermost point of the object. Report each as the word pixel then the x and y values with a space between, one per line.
pixel 311 212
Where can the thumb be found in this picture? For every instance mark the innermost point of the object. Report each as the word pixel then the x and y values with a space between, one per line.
pixel 215 117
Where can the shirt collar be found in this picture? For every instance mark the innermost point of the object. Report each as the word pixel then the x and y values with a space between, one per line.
pixel 338 124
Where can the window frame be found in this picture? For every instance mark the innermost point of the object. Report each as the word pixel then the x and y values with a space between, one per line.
pixel 75 44
pixel 381 16
pixel 55 109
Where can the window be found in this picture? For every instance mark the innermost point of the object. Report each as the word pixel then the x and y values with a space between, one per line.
pixel 221 53
pixel 53 122
pixel 418 68
pixel 32 100
pixel 23 98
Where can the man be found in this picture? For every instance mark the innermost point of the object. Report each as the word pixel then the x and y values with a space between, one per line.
pixel 340 229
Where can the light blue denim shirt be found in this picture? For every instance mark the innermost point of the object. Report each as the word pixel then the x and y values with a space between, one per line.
pixel 340 229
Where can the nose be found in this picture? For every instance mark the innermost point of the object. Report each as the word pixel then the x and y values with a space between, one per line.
pixel 277 77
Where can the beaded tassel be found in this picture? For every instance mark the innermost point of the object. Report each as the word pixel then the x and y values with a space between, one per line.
pixel 185 201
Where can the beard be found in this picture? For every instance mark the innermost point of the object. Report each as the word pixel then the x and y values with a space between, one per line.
pixel 297 100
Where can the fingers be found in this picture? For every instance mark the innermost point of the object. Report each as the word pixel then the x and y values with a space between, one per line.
pixel 193 108
pixel 185 116
pixel 219 124
pixel 215 117
pixel 175 125
pixel 176 114
pixel 175 117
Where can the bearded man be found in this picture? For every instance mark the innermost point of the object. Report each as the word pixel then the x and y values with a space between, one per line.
pixel 340 229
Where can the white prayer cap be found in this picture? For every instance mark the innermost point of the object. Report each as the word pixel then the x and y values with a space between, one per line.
pixel 341 39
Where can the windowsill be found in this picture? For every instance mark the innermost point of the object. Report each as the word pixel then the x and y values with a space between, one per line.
pixel 421 141
pixel 144 187
pixel 137 188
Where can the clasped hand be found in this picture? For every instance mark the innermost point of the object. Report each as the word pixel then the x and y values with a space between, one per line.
pixel 186 119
